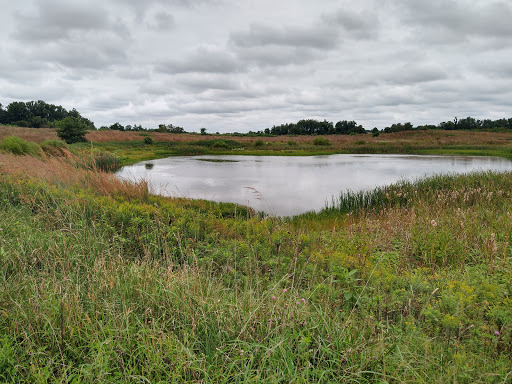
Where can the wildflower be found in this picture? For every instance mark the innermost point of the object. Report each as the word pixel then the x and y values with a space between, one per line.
pixel 303 300
pixel 274 298
pixel 285 290
pixel 497 333
pixel 434 224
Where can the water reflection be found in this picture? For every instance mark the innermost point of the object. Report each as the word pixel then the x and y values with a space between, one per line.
pixel 291 185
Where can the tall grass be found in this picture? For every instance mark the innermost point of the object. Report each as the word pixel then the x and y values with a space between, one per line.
pixel 461 188
pixel 102 282
pixel 18 146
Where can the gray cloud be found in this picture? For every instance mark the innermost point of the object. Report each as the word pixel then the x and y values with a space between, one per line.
pixel 452 21
pixel 236 66
pixel 201 82
pixel 163 21
pixel 314 37
pixel 203 59
pixel 361 25
pixel 57 20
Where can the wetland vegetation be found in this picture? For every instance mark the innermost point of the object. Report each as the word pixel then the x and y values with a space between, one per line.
pixel 104 282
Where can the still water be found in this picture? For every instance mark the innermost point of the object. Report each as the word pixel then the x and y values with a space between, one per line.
pixel 286 186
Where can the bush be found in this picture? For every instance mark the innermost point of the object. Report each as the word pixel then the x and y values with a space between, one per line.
pixel 71 130
pixel 321 141
pixel 148 140
pixel 18 146
pixel 259 143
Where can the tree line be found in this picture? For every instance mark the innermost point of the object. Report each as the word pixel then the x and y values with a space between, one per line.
pixel 466 124
pixel 39 114
pixel 315 127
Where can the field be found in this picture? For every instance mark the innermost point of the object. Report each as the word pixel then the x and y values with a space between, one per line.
pixel 102 282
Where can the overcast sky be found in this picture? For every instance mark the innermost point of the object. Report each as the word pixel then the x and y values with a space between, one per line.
pixel 240 65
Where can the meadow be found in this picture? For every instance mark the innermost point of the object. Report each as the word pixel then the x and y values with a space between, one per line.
pixel 103 282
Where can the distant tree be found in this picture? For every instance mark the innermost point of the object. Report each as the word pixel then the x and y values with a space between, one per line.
pixel 203 131
pixel 348 127
pixel 71 130
pixel 17 111
pixel 162 128
pixel 175 129
pixel 2 114
pixel 117 127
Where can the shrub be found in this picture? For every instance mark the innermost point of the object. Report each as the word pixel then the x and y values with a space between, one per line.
pixel 259 143
pixel 148 140
pixel 18 146
pixel 321 141
pixel 292 143
pixel 71 130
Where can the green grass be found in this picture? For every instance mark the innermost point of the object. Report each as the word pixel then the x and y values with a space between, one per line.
pixel 102 282
pixel 407 283
pixel 18 146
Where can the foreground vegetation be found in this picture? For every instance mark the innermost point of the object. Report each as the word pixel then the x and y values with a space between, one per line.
pixel 103 282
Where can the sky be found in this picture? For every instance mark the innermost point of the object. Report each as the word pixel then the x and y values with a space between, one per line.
pixel 241 65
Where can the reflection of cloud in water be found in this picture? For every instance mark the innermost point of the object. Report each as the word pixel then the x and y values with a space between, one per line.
pixel 290 185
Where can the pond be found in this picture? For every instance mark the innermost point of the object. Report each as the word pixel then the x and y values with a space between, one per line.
pixel 286 186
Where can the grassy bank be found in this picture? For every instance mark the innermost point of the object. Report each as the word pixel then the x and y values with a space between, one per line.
pixel 130 147
pixel 103 282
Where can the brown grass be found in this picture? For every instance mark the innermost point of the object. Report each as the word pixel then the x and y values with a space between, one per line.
pixel 413 138
pixel 67 171
pixel 36 135
pixel 427 138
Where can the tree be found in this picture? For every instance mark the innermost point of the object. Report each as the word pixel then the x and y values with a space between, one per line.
pixel 17 111
pixel 117 127
pixel 71 130
pixel 203 131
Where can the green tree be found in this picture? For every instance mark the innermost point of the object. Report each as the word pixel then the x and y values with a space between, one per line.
pixel 71 130
pixel 203 131
pixel 117 127
pixel 2 114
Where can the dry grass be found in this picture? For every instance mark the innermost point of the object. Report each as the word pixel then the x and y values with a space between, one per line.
pixel 427 138
pixel 69 171
pixel 36 135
